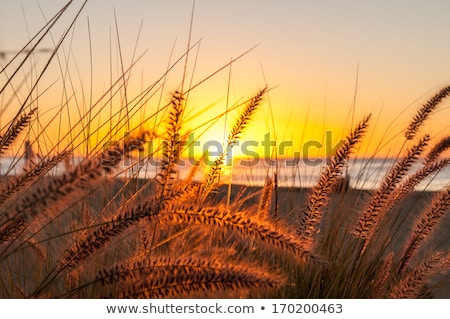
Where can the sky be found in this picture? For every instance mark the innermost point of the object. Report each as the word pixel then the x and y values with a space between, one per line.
pixel 328 63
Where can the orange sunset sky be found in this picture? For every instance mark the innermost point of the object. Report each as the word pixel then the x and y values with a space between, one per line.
pixel 314 54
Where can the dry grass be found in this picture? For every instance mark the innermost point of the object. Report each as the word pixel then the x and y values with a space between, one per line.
pixel 91 227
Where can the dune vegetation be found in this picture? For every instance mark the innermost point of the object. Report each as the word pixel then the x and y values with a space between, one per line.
pixel 86 224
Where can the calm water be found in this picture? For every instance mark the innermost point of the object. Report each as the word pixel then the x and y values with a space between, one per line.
pixel 364 174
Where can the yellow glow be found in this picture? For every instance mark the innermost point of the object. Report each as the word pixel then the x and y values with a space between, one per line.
pixel 314 73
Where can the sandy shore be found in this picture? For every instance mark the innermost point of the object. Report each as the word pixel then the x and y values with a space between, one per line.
pixel 288 204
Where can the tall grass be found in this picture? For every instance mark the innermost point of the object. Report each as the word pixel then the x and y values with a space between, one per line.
pixel 85 224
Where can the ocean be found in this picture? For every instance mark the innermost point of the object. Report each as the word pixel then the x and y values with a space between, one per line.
pixel 362 173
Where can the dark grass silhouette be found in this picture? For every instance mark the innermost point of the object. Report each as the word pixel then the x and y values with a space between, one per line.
pixel 91 228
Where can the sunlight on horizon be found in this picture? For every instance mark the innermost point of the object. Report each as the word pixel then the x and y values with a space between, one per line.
pixel 315 92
